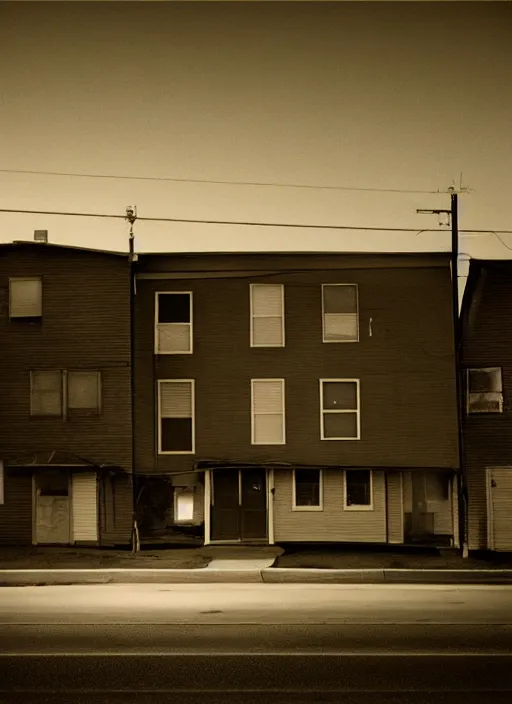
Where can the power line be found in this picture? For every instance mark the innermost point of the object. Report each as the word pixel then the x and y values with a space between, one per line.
pixel 221 182
pixel 199 221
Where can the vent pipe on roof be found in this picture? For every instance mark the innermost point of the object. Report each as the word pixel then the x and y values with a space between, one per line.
pixel 40 235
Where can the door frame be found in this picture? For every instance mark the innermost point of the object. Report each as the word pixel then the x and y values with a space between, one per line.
pixel 208 503
pixel 34 508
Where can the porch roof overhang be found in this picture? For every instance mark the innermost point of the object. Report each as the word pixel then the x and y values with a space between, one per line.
pixel 55 459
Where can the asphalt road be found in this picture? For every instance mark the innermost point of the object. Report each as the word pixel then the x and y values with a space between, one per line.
pixel 256 643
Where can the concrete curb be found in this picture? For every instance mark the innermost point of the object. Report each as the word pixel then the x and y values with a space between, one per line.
pixel 271 575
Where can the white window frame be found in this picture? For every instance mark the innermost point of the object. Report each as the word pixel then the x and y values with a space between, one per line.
pixel 252 316
pixel 330 410
pixel 337 342
pixel 159 416
pixel 471 412
pixel 253 414
pixel 191 324
pixel 26 278
pixel 177 491
pixel 320 494
pixel 357 507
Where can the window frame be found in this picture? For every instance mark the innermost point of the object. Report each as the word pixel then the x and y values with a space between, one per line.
pixel 320 507
pixel 85 411
pixel 159 417
pixel 283 412
pixel 65 409
pixel 337 342
pixel 357 507
pixel 45 416
pixel 467 373
pixel 191 324
pixel 252 316
pixel 356 411
pixel 38 317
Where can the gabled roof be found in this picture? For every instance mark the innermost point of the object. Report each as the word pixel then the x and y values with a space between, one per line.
pixel 46 245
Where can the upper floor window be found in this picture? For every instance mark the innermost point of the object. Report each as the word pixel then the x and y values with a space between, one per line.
pixel 56 392
pixel 340 313
pixel 176 416
pixel 267 315
pixel 484 390
pixel 340 409
pixel 26 298
pixel 173 324
pixel 268 414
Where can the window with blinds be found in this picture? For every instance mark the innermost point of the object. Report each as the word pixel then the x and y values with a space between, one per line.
pixel 339 409
pixel 307 490
pixel 268 412
pixel 173 324
pixel 26 298
pixel 340 315
pixel 176 423
pixel 267 315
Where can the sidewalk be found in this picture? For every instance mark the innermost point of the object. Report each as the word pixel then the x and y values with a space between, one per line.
pixel 267 564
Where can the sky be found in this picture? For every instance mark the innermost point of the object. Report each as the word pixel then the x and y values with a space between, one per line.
pixel 384 96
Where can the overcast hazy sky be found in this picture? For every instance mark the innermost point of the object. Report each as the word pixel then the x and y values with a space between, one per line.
pixel 386 95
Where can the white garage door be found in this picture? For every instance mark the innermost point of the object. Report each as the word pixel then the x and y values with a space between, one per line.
pixel 85 507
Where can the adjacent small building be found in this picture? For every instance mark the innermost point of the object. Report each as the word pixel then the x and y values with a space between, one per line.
pixel 65 396
pixel 288 397
pixel 487 424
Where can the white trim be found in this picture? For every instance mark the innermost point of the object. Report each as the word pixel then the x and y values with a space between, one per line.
pixel 357 507
pixel 283 411
pixel 320 494
pixel 208 503
pixel 159 417
pixel 490 509
pixel 356 411
pixel 270 506
pixel 191 324
pixel 252 316
pixel 356 313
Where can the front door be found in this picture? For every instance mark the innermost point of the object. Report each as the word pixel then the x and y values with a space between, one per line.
pixel 239 505
pixel 52 519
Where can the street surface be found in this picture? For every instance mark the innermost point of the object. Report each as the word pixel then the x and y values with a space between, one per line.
pixel 255 643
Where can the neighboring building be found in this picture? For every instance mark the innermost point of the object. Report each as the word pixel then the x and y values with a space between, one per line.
pixel 487 424
pixel 65 395
pixel 296 397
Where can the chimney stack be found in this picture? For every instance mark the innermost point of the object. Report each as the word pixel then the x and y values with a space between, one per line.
pixel 40 235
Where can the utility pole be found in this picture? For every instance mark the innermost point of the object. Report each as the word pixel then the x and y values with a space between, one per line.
pixel 131 216
pixel 453 214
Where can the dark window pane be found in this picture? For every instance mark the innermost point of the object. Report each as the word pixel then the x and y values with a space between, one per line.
pixel 52 483
pixel 358 487
pixel 340 299
pixel 174 308
pixel 340 395
pixel 307 487
pixel 340 425
pixel 176 434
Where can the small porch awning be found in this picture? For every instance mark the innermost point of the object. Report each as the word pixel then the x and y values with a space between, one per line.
pixel 55 459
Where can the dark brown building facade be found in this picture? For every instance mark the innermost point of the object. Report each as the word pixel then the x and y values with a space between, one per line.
pixel 487 423
pixel 296 397
pixel 65 396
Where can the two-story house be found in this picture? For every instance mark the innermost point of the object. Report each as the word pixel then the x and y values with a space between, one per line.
pixel 296 397
pixel 65 396
pixel 487 423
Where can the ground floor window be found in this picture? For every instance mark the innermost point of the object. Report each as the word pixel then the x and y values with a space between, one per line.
pixel 183 504
pixel 307 489
pixel 358 489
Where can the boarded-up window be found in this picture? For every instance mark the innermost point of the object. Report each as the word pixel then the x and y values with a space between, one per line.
pixel 176 416
pixel 358 488
pixel 268 422
pixel 484 390
pixel 46 393
pixel 339 409
pixel 25 297
pixel 84 390
pixel 183 504
pixel 340 313
pixel 307 489
pixel 173 334
pixel 267 315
